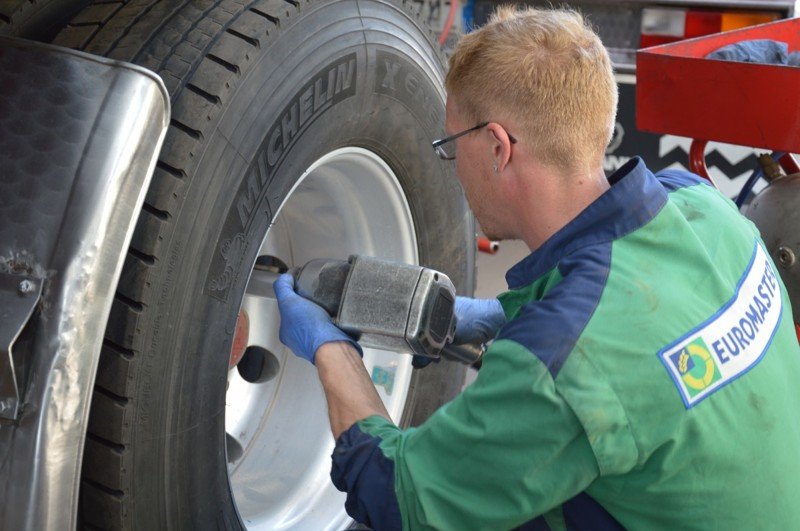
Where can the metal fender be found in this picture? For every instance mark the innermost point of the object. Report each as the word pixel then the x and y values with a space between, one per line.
pixel 79 137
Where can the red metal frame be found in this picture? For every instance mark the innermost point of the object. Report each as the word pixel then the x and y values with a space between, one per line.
pixel 697 160
pixel 680 92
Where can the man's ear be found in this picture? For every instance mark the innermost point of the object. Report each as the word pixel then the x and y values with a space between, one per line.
pixel 501 147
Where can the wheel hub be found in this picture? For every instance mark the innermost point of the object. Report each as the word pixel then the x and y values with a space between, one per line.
pixel 278 434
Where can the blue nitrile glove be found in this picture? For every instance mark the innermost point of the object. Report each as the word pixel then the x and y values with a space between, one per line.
pixel 478 320
pixel 305 326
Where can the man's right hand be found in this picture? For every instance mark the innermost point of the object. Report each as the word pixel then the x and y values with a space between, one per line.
pixel 478 320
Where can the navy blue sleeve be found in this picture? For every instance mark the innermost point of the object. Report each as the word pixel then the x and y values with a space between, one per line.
pixel 673 180
pixel 362 471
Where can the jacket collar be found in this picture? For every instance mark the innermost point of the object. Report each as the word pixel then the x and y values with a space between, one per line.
pixel 635 197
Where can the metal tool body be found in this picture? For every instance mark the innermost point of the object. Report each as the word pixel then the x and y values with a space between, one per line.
pixel 388 305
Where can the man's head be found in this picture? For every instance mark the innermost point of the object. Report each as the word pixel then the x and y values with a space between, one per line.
pixel 546 73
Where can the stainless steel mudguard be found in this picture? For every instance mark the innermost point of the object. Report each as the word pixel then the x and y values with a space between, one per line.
pixel 79 138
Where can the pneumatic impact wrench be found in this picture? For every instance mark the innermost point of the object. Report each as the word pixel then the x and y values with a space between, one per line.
pixel 388 305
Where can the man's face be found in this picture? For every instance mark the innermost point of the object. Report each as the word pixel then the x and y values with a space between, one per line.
pixel 473 169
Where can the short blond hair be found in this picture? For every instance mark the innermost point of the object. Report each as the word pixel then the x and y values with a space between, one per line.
pixel 548 72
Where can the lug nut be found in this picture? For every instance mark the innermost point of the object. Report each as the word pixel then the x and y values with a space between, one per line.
pixel 26 286
pixel 786 256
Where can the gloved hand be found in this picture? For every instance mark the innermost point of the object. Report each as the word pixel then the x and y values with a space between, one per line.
pixel 305 325
pixel 478 320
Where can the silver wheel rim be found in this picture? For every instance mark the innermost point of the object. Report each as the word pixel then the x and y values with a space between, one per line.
pixel 277 431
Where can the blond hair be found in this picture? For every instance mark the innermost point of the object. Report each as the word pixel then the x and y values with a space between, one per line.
pixel 548 72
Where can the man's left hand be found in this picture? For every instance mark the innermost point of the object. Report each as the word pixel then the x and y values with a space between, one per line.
pixel 305 326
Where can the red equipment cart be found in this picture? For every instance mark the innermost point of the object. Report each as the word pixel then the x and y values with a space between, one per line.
pixel 680 92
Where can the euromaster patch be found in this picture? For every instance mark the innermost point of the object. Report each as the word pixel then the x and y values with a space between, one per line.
pixel 733 340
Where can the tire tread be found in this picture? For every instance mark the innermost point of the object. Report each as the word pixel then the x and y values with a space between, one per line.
pixel 37 19
pixel 102 508
pixel 109 467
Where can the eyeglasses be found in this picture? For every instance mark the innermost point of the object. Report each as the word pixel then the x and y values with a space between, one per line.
pixel 449 153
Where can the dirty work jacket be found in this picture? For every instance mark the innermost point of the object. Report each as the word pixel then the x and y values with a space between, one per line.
pixel 648 377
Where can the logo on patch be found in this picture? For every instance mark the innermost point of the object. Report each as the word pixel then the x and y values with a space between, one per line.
pixel 696 367
pixel 731 341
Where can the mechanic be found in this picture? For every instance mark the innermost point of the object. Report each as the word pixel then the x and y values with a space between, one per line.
pixel 644 372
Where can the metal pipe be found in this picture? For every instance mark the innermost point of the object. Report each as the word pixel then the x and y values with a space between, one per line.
pixel 485 245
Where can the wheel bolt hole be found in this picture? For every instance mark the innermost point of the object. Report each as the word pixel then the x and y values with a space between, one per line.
pixel 271 263
pixel 258 365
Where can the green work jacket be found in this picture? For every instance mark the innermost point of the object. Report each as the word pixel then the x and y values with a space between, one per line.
pixel 648 377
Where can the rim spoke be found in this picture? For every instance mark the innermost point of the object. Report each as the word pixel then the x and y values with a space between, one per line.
pixel 260 284
pixel 265 321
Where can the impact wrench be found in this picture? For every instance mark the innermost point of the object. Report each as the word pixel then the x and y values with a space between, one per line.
pixel 388 305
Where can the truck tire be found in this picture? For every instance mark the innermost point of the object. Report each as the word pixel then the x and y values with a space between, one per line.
pixel 38 20
pixel 299 130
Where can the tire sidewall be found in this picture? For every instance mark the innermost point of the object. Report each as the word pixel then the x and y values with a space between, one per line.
pixel 282 118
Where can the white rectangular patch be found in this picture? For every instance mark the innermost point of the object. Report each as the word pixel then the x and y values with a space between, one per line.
pixel 733 340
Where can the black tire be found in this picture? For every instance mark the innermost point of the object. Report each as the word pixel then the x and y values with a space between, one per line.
pixel 155 451
pixel 38 20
